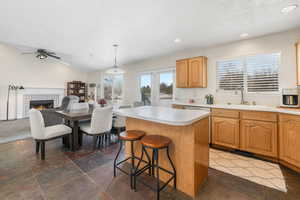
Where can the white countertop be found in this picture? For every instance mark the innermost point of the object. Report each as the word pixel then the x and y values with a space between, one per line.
pixel 242 107
pixel 164 115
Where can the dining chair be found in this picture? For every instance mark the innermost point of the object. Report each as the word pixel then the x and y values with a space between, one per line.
pixel 100 125
pixel 41 134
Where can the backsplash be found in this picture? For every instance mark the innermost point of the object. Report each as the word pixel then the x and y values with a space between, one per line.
pixel 184 94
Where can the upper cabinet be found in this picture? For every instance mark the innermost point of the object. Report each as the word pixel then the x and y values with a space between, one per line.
pixel 298 62
pixel 182 73
pixel 191 73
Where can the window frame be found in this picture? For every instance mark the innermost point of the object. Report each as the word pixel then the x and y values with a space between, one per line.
pixel 245 81
pixel 113 84
pixel 155 83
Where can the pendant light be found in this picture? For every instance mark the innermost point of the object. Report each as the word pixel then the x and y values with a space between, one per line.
pixel 115 70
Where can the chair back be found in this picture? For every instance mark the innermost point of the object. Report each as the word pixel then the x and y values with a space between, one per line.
pixel 37 124
pixel 64 103
pixel 79 107
pixel 101 120
pixel 73 99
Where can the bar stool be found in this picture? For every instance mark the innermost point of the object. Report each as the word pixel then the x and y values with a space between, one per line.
pixel 130 136
pixel 155 142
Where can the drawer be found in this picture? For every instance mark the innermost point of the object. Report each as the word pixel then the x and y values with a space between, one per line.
pixel 260 116
pixel 225 113
pixel 287 117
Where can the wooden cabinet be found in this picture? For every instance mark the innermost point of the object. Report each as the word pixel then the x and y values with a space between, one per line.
pixel 298 61
pixel 225 132
pixel 182 73
pixel 191 73
pixel 197 72
pixel 259 137
pixel 289 137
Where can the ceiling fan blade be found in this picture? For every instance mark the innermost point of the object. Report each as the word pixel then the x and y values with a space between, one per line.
pixel 28 53
pixel 50 55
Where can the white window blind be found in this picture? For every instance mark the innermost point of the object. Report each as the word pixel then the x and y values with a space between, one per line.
pixel 259 73
pixel 230 74
pixel 262 73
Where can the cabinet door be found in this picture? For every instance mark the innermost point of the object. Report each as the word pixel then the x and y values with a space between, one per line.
pixel 197 72
pixel 259 137
pixel 182 73
pixel 225 132
pixel 298 62
pixel 289 137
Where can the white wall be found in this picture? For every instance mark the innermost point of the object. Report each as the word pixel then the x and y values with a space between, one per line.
pixel 280 42
pixel 30 72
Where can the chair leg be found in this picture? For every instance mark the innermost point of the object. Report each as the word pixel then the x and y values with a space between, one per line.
pixel 153 154
pixel 43 150
pixel 94 142
pixel 174 170
pixel 109 138
pixel 117 156
pixel 99 141
pixel 37 146
pixel 157 174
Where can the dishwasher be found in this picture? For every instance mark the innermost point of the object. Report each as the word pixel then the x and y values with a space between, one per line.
pixel 206 109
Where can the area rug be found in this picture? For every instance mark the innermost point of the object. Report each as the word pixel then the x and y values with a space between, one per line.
pixel 14 130
pixel 258 171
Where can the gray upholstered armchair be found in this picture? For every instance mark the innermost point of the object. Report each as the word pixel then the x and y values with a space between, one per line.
pixel 49 115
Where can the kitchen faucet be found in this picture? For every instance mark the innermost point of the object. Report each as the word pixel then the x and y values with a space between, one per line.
pixel 242 96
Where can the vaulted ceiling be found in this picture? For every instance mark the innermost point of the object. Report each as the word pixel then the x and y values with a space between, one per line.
pixel 83 32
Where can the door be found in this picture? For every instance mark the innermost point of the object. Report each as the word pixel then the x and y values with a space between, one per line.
pixel 289 136
pixel 182 73
pixel 225 132
pixel 259 137
pixel 197 72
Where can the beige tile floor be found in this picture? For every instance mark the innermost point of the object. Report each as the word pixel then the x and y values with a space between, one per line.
pixel 258 171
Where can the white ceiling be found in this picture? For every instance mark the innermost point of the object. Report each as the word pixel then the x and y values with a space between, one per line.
pixel 83 32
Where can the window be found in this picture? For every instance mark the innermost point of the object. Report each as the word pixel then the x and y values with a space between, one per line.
pixel 166 85
pixel 230 74
pixel 113 87
pixel 157 86
pixel 145 88
pixel 259 73
pixel 262 73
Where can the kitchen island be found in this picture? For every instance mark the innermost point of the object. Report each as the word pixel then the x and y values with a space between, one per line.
pixel 189 150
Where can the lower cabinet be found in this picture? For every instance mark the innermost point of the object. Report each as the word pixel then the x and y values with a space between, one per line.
pixel 225 132
pixel 289 137
pixel 259 137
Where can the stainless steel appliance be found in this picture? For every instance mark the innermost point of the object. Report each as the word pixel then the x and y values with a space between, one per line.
pixel 290 97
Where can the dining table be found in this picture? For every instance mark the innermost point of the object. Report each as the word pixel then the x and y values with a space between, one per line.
pixel 72 119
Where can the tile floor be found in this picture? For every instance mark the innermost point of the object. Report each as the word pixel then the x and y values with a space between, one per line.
pixel 88 175
pixel 258 171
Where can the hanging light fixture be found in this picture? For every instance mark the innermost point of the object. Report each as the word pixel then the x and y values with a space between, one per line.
pixel 115 69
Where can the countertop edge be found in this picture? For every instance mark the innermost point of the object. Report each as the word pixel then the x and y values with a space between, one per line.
pixel 183 123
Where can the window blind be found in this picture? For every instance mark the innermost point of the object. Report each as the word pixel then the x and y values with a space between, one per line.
pixel 262 73
pixel 259 73
pixel 230 74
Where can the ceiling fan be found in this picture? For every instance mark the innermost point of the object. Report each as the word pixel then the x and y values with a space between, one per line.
pixel 43 54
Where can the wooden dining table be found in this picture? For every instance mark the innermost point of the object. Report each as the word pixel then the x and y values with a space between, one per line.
pixel 72 119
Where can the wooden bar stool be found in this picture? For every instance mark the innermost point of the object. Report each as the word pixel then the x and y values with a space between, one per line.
pixel 130 136
pixel 155 142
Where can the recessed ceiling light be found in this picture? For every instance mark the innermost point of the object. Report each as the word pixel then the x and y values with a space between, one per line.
pixel 177 40
pixel 289 8
pixel 244 35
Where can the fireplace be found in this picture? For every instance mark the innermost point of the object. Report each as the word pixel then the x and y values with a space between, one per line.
pixel 41 104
